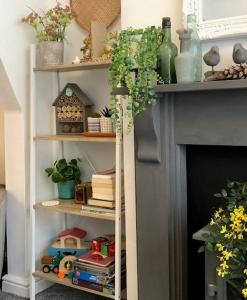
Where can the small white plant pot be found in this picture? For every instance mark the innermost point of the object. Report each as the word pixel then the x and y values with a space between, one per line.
pixel 106 125
pixel 93 124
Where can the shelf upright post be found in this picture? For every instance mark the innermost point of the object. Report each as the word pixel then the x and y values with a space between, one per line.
pixel 118 214
pixel 130 205
pixel 32 171
pixel 61 142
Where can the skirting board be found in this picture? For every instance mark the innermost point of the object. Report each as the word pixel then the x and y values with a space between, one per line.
pixel 20 286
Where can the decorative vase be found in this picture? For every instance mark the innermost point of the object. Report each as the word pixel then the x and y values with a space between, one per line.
pixel 167 53
pixel 195 46
pixel 66 190
pixel 184 62
pixel 50 53
pixel 93 124
pixel 106 125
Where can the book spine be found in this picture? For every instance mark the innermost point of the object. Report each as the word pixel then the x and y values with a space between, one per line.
pixel 87 285
pixel 90 277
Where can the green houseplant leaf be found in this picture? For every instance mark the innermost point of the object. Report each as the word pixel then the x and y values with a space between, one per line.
pixel 64 171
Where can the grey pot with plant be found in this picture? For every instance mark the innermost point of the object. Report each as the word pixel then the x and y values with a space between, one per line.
pixel 106 125
pixel 50 28
pixel 66 175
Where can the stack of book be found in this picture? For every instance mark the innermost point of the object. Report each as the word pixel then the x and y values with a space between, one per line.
pixel 97 274
pixel 103 186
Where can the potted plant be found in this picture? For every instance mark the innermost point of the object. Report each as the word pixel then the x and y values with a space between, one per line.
pixel 106 125
pixel 134 64
pixel 50 28
pixel 93 122
pixel 66 175
pixel 228 236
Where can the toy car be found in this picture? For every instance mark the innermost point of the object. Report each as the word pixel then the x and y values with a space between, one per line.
pixel 51 263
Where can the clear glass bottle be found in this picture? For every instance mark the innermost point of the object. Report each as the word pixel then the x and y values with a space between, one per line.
pixel 184 62
pixel 195 46
pixel 167 53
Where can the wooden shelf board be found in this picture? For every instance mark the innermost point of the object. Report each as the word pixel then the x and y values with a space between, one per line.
pixel 193 87
pixel 75 138
pixel 74 67
pixel 67 282
pixel 69 207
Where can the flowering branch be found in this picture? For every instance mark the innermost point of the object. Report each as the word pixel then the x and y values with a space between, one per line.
pixel 50 25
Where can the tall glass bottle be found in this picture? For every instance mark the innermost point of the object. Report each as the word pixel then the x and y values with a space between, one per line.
pixel 195 46
pixel 167 53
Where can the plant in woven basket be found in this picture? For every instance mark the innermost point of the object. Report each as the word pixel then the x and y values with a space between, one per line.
pixel 106 112
pixel 106 125
pixel 134 62
pixel 228 235
pixel 50 25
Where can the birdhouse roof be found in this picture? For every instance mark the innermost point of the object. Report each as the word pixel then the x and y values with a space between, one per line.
pixel 78 92
pixel 75 232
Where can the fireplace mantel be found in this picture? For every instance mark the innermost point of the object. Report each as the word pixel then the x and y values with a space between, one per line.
pixel 207 113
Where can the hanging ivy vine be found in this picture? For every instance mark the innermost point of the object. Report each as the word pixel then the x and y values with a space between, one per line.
pixel 134 65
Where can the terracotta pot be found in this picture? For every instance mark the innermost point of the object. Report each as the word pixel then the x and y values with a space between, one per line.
pixel 50 53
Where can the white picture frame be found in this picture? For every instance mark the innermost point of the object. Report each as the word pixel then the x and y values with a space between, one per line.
pixel 217 28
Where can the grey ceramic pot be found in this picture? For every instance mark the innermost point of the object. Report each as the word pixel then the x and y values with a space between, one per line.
pixel 50 53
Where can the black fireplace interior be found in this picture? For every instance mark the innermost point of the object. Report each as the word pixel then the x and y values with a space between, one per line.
pixel 208 168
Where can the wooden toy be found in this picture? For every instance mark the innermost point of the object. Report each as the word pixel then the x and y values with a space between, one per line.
pixel 70 242
pixel 66 264
pixel 98 242
pixel 51 263
pixel 72 109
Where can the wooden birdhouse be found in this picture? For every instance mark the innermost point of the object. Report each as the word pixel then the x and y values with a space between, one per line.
pixel 72 109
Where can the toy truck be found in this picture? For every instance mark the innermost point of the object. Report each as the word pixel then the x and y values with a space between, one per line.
pixel 51 263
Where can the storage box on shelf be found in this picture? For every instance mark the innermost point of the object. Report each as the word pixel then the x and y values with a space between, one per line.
pixel 68 207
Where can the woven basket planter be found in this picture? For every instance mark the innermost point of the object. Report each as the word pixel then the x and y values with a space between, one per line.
pixel 106 125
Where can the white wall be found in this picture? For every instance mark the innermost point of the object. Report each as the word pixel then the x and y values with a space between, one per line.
pixel 2 152
pixel 141 13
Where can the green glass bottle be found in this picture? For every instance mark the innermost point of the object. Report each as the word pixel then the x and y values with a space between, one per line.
pixel 167 53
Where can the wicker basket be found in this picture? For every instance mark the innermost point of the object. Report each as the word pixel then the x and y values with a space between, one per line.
pixel 105 11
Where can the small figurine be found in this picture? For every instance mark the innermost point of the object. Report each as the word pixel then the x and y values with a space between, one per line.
pixel 239 54
pixel 212 57
pixel 87 49
pixel 76 61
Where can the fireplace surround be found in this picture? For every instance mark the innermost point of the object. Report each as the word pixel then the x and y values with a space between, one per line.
pixel 213 113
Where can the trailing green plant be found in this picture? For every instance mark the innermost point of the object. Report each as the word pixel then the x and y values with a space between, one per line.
pixel 106 112
pixel 134 63
pixel 50 25
pixel 228 234
pixel 63 171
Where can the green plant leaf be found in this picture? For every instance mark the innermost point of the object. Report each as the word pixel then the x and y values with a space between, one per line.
pixel 49 171
pixel 57 177
pixel 201 249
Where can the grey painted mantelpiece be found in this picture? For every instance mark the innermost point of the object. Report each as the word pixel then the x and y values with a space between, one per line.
pixel 212 113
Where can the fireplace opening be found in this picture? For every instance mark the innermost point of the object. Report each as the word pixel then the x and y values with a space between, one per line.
pixel 208 168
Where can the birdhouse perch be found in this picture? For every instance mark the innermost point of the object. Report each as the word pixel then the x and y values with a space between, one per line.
pixel 72 109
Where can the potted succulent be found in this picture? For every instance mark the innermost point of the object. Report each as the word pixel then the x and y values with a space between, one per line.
pixel 93 122
pixel 106 125
pixel 50 27
pixel 66 175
